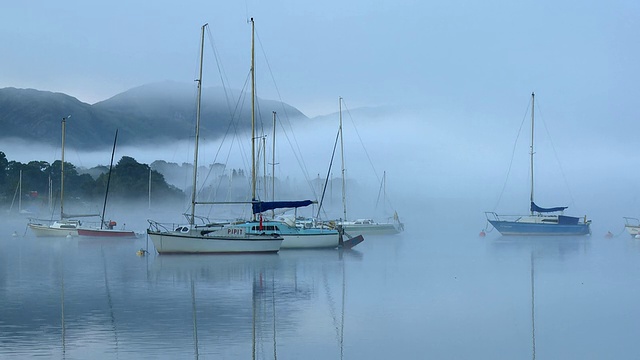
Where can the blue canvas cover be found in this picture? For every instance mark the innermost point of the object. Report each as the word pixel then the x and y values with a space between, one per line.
pixel 536 208
pixel 568 220
pixel 262 206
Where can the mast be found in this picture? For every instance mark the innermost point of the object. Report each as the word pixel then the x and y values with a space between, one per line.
pixel 273 164
pixel 384 189
pixel 253 117
pixel 273 160
pixel 195 151
pixel 20 193
pixel 62 170
pixel 106 194
pixel 531 147
pixel 264 166
pixel 344 196
pixel 50 194
pixel 149 187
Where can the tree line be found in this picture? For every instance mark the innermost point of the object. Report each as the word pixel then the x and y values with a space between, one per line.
pixel 129 181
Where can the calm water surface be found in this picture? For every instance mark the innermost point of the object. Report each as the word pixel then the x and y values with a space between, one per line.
pixel 441 294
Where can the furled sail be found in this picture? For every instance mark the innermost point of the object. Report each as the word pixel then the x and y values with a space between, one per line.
pixel 262 206
pixel 536 208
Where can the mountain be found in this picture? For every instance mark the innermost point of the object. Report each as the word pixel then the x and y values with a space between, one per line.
pixel 146 114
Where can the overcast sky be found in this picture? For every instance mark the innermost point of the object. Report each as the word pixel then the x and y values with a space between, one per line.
pixel 460 73
pixel 449 55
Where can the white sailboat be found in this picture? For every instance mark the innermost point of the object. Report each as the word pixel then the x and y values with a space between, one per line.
pixel 206 238
pixel 294 236
pixel 65 226
pixel 364 226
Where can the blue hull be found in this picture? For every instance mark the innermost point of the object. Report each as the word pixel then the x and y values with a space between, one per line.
pixel 535 229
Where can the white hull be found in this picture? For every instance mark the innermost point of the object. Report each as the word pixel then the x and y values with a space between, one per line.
pixel 310 241
pixel 190 243
pixel 371 229
pixel 633 230
pixel 87 232
pixel 632 225
pixel 55 230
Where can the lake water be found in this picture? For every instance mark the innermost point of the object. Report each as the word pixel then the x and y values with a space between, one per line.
pixel 439 292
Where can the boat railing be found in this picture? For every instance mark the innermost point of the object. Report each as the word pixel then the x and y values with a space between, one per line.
pixel 161 227
pixel 495 217
pixel 631 221
pixel 155 226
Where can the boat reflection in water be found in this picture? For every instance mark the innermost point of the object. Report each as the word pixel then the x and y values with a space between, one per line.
pixel 74 299
pixel 255 305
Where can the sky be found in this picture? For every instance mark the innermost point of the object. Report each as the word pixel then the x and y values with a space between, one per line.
pixel 454 55
pixel 459 74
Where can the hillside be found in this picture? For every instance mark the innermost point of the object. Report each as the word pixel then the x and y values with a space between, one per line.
pixel 143 115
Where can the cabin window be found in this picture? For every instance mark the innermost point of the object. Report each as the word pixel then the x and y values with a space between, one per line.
pixel 265 228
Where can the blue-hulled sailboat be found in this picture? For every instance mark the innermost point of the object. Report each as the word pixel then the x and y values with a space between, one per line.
pixel 539 221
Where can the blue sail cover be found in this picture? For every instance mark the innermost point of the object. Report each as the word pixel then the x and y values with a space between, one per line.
pixel 537 208
pixel 262 206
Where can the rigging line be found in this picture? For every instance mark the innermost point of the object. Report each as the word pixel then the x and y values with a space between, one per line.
pixel 297 154
pixel 555 153
pixel 232 122
pixel 235 116
pixel 324 190
pixel 301 162
pixel 223 77
pixel 186 180
pixel 513 152
pixel 224 81
pixel 361 142
pixel 365 149
pixel 379 193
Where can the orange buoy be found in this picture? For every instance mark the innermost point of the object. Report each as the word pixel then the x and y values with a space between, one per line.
pixel 609 235
pixel 482 233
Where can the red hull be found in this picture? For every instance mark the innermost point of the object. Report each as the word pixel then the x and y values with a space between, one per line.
pixel 106 233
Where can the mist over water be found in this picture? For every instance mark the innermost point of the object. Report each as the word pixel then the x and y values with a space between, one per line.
pixel 428 158
pixel 438 289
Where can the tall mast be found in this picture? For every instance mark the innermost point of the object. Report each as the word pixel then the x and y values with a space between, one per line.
pixel 149 187
pixel 273 160
pixel 531 152
pixel 64 124
pixel 384 188
pixel 106 194
pixel 264 166
pixel 20 193
pixel 344 191
pixel 253 117
pixel 195 151
pixel 273 164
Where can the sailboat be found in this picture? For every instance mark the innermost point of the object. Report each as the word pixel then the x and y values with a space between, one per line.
pixel 18 194
pixel 294 236
pixel 207 238
pixel 107 229
pixel 540 221
pixel 364 226
pixel 65 226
